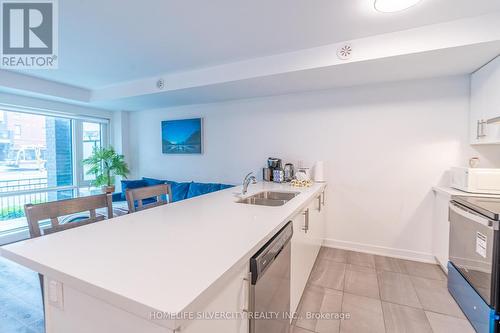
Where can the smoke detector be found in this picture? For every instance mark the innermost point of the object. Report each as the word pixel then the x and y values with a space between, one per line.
pixel 344 52
pixel 160 84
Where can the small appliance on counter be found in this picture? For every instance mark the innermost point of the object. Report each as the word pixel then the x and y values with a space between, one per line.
pixel 273 164
pixel 289 172
pixel 303 174
pixel 319 172
pixel 474 266
pixel 476 180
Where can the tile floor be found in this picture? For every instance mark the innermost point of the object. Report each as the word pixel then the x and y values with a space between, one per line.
pixel 380 294
pixel 20 300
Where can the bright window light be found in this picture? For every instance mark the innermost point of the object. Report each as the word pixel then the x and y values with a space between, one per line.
pixel 391 6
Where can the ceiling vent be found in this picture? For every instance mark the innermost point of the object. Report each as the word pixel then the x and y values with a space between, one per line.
pixel 344 52
pixel 160 84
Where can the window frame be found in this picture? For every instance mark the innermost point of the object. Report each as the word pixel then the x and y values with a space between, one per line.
pixel 78 181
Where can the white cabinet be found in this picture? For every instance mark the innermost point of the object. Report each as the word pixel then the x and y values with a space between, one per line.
pixel 485 104
pixel 309 229
pixel 233 299
pixel 441 228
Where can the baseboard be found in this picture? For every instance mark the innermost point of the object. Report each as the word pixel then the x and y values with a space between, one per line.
pixel 380 250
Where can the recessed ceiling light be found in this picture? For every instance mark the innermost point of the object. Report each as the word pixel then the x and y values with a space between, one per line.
pixel 391 6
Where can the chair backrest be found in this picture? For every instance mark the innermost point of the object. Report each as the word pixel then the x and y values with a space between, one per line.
pixel 54 210
pixel 153 196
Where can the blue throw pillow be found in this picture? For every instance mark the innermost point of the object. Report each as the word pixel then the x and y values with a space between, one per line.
pixel 153 181
pixel 179 190
pixel 196 189
pixel 126 184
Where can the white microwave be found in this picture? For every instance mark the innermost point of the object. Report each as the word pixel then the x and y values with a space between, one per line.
pixel 476 180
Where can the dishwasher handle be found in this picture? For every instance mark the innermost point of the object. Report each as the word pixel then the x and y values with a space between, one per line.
pixel 472 216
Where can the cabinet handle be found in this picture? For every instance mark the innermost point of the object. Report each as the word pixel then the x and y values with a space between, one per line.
pixel 306 220
pixel 323 200
pixel 480 129
pixel 247 305
pixel 319 203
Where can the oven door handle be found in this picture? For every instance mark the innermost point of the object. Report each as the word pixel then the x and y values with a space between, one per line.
pixel 472 216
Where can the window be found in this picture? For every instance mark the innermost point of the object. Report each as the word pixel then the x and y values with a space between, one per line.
pixel 92 139
pixel 40 161
pixel 17 131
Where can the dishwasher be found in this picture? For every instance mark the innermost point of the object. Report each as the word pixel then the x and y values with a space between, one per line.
pixel 270 285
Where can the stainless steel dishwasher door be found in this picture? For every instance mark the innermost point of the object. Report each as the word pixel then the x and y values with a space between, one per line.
pixel 271 296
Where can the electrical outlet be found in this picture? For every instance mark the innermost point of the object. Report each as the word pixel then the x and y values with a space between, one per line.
pixel 55 293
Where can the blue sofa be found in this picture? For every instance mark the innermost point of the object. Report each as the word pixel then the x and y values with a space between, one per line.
pixel 180 191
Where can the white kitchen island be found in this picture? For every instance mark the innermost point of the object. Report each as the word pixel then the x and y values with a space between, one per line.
pixel 153 270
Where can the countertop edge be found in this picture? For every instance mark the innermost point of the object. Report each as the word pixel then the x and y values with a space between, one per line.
pixel 454 192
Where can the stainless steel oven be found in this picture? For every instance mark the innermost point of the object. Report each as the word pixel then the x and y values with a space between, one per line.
pixel 473 277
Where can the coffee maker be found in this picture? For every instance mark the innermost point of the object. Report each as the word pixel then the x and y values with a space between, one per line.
pixel 273 164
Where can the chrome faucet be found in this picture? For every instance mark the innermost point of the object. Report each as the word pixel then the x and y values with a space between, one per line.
pixel 248 178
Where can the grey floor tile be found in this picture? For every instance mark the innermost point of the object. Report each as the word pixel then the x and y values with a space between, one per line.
pixel 361 259
pixel 296 329
pixel 420 269
pixel 404 319
pixel 38 326
pixel 20 299
pixel 328 274
pixel 444 324
pixel 19 310
pixel 337 255
pixel 397 288
pixel 11 325
pixel 316 309
pixel 365 315
pixel 389 264
pixel 434 296
pixel 361 281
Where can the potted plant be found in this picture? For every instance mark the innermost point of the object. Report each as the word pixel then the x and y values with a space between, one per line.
pixel 105 164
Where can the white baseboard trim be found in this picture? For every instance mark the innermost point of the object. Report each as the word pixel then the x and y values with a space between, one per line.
pixel 381 250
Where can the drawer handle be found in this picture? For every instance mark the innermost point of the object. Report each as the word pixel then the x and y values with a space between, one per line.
pixel 306 220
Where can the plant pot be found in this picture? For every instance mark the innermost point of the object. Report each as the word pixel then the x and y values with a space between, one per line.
pixel 108 189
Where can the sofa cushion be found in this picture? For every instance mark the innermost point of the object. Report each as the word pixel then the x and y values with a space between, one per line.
pixel 196 189
pixel 224 186
pixel 179 190
pixel 126 184
pixel 153 181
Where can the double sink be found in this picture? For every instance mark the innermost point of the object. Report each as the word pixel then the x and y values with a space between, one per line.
pixel 269 198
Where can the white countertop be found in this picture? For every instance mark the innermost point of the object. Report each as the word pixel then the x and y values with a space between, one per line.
pixel 161 259
pixel 454 192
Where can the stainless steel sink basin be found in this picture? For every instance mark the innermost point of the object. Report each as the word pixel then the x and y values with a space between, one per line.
pixel 269 198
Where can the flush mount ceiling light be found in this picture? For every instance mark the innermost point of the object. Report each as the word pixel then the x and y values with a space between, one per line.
pixel 391 6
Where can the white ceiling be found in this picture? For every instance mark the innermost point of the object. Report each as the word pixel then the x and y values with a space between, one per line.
pixel 105 42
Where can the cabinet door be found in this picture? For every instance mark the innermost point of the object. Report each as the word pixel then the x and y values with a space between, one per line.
pixel 485 101
pixel 441 229
pixel 233 298
pixel 316 225
pixel 302 259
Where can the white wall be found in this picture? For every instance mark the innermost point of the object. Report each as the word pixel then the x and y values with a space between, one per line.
pixel 384 147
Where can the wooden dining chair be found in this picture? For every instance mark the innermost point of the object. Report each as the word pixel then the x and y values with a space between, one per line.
pixel 59 211
pixel 148 197
pixel 63 215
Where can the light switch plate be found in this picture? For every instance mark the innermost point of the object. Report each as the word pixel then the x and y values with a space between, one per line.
pixel 55 293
